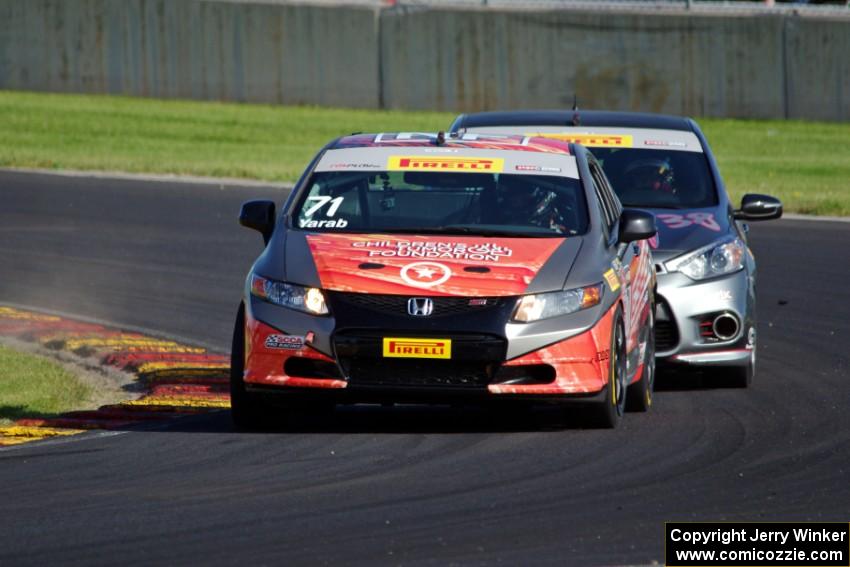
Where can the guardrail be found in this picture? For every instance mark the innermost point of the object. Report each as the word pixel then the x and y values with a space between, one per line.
pixel 764 63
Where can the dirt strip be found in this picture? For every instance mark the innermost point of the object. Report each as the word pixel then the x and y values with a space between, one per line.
pixel 171 379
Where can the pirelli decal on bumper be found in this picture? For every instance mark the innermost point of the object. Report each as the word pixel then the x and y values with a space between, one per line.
pixel 417 348
pixel 440 163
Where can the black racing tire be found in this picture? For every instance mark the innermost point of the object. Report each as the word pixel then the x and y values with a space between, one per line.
pixel 608 413
pixel 639 397
pixel 247 410
pixel 740 376
pixel 736 376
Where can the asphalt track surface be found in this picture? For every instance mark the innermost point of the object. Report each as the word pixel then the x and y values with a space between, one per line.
pixel 400 485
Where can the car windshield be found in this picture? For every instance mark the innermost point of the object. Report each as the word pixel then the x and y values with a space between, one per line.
pixel 442 203
pixel 658 178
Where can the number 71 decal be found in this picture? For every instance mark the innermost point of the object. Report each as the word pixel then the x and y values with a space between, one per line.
pixel 322 201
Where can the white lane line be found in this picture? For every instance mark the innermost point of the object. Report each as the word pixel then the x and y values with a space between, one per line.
pixel 794 216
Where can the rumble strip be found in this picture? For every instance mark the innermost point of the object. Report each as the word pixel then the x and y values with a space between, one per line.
pixel 173 379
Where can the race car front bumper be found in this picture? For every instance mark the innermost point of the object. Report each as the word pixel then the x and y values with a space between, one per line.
pixel 705 323
pixel 356 369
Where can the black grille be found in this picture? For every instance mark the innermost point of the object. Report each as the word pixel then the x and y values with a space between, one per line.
pixel 666 336
pixel 397 304
pixel 526 374
pixel 666 331
pixel 474 360
pixel 431 373
pixel 310 368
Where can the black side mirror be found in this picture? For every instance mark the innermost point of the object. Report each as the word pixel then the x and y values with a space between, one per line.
pixel 756 207
pixel 258 215
pixel 636 224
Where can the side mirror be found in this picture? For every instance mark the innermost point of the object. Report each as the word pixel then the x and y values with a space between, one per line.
pixel 258 215
pixel 756 207
pixel 636 224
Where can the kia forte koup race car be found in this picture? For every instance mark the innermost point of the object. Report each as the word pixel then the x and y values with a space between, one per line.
pixel 706 303
pixel 419 268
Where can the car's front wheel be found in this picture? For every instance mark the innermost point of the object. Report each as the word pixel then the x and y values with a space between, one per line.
pixel 608 413
pixel 737 376
pixel 742 376
pixel 246 409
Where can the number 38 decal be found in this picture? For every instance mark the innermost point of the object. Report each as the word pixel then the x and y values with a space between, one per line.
pixel 705 220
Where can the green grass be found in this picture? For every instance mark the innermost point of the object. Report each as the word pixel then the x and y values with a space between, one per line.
pixel 273 143
pixel 33 386
pixel 806 164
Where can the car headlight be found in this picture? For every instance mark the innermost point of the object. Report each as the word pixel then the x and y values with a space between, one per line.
pixel 716 259
pixel 307 299
pixel 545 305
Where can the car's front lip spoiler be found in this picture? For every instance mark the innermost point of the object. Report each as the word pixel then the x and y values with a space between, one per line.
pixel 731 356
pixel 358 393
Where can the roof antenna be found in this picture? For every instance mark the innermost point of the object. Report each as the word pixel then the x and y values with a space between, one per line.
pixel 576 117
pixel 441 138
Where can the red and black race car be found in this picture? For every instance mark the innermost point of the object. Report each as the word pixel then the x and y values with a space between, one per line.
pixel 420 268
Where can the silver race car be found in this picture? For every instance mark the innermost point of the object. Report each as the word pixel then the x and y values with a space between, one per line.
pixel 420 268
pixel 706 304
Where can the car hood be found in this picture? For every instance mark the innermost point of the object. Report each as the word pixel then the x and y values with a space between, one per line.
pixel 437 265
pixel 681 231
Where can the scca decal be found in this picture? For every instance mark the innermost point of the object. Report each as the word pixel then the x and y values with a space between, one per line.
pixel 590 140
pixel 289 342
pixel 437 163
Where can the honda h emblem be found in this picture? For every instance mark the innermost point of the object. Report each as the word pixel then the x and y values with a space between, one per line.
pixel 420 306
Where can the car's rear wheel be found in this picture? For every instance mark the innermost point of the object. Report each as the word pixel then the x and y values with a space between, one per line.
pixel 640 393
pixel 608 413
pixel 247 409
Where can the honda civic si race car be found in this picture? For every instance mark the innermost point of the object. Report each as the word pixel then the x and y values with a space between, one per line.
pixel 706 304
pixel 415 268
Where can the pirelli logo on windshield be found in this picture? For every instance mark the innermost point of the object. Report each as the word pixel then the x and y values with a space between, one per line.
pixel 417 348
pixel 590 140
pixel 440 163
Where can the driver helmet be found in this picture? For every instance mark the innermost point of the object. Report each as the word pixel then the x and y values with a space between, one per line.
pixel 651 175
pixel 531 205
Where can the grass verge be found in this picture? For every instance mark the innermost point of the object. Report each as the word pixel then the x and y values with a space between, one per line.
pixel 272 143
pixel 806 164
pixel 34 386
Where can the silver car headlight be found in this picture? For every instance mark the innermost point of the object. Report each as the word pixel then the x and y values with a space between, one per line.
pixel 722 257
pixel 545 305
pixel 307 299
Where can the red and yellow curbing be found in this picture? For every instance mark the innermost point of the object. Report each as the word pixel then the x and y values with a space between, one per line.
pixel 176 379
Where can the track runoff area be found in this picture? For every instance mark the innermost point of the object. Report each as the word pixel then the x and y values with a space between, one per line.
pixel 181 378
